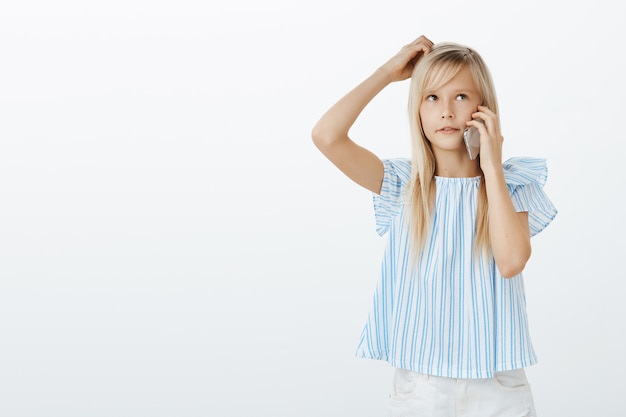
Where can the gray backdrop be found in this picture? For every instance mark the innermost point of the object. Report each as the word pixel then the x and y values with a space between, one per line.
pixel 172 243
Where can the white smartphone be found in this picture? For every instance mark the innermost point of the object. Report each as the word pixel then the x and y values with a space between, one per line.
pixel 471 136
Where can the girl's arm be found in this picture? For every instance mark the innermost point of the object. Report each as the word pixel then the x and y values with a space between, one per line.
pixel 508 230
pixel 330 134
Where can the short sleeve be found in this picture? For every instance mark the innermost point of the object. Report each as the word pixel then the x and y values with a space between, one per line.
pixel 525 178
pixel 391 199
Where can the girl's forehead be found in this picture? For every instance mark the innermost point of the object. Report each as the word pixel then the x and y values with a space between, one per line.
pixel 458 78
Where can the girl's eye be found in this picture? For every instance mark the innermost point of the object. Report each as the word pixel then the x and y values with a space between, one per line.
pixel 461 97
pixel 431 97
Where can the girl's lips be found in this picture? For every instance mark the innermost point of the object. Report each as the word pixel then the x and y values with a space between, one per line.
pixel 448 130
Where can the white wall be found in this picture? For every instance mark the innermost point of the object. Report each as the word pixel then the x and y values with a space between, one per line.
pixel 172 244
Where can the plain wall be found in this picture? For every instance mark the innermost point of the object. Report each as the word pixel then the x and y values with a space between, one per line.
pixel 172 243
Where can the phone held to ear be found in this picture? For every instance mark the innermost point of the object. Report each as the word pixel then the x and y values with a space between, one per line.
pixel 471 136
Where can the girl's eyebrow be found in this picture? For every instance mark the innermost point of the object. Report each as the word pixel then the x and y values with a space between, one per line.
pixel 457 91
pixel 465 90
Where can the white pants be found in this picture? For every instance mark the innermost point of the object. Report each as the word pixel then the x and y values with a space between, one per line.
pixel 507 394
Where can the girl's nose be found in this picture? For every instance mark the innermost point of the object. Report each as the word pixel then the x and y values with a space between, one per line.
pixel 446 114
pixel 446 111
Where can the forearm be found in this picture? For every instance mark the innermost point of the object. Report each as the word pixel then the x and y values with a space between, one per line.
pixel 508 230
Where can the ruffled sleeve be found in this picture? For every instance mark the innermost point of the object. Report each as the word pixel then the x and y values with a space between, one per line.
pixel 391 199
pixel 525 178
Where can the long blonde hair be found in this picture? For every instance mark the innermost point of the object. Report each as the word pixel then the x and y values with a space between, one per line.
pixel 434 70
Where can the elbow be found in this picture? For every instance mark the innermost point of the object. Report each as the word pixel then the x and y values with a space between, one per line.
pixel 511 270
pixel 320 137
pixel 317 136
pixel 513 266
pixel 326 134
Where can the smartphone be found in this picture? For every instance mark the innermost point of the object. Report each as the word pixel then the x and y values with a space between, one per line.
pixel 471 136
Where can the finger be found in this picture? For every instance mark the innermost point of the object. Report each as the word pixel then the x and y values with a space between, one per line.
pixel 419 42
pixel 419 49
pixel 487 110
pixel 419 45
pixel 480 117
pixel 487 123
pixel 415 52
pixel 483 126
pixel 487 116
pixel 423 39
pixel 477 123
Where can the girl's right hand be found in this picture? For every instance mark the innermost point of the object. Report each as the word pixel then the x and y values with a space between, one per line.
pixel 400 67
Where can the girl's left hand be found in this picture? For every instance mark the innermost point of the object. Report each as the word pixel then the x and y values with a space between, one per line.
pixel 490 138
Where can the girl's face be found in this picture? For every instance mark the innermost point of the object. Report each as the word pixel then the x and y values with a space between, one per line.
pixel 445 110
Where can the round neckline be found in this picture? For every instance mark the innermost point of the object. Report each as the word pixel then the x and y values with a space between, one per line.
pixel 437 177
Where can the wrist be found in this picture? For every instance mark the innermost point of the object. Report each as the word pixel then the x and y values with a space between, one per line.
pixel 492 171
pixel 384 75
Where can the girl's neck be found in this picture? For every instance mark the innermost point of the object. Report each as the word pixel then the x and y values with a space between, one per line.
pixel 457 165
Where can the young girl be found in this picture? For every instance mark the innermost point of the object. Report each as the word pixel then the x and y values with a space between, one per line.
pixel 449 311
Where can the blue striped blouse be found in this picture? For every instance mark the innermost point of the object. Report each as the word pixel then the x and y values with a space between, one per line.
pixel 452 315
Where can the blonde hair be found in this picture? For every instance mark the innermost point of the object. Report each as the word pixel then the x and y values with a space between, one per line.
pixel 434 70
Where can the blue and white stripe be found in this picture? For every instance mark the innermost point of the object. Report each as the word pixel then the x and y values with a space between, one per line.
pixel 452 314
